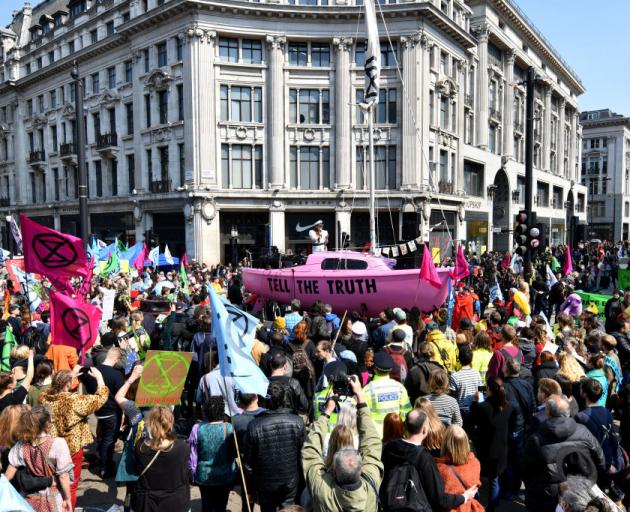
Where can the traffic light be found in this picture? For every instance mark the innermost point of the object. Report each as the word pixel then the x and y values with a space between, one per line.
pixel 521 233
pixel 534 235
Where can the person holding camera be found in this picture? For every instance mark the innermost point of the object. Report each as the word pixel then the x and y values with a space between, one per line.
pixel 352 481
pixel 337 386
pixel 384 394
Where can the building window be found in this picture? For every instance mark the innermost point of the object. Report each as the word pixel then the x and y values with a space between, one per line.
pixel 162 53
pixel 93 36
pixel 252 51
pixel 114 177
pixel 309 106
pixel 56 183
pixel 604 185
pixel 96 122
pixel 126 16
pixel 71 47
pixel 109 28
pixel 51 57
pixel 388 53
pixel 542 194
pixel 129 116
pixel 147 60
pixel 473 179
pixel 310 167
pixel 241 166
pixel 163 154
pixel 320 55
pixel 163 105
pixel 53 137
pixel 98 173
pixel 96 83
pixel 29 107
pixel 147 110
pixel 386 109
pixel 180 102
pixel 179 49
pixel 131 173
pixel 149 154
pixel 241 104
pixel 228 49
pixel 40 103
pixel 53 98
pixel 182 164
pixel 33 188
pixel 431 108
pixel 298 54
pixel 384 163
pixel 604 164
pixel 111 77
pixel 492 139
pixel 444 113
pixel 128 71
pixel 359 53
pixel 77 7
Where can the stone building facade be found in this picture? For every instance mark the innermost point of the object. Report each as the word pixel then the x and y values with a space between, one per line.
pixel 210 118
pixel 606 173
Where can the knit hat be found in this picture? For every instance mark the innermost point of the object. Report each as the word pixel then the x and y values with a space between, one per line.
pixel 279 323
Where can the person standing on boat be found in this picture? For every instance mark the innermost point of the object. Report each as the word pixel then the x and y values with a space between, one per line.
pixel 319 237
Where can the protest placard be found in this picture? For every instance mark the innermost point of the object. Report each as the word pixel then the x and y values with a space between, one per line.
pixel 163 378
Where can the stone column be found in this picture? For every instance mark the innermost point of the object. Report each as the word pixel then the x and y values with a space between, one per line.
pixel 461 125
pixel 275 112
pixel 482 32
pixel 421 89
pixel 276 219
pixel 508 107
pixel 561 128
pixel 546 149
pixel 19 153
pixel 343 122
pixel 57 222
pixel 409 114
pixel 203 236
pixel 575 149
pixel 199 106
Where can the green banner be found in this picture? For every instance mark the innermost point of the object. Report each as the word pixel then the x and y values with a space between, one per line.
pixel 594 298
pixel 623 278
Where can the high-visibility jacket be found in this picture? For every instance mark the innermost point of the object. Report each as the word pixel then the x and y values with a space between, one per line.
pixel 319 404
pixel 384 395
pixel 445 351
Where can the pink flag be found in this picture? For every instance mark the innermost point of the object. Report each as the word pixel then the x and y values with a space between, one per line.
pixel 73 322
pixel 48 252
pixel 461 269
pixel 567 266
pixel 428 271
pixel 184 260
pixel 139 261
pixel 86 284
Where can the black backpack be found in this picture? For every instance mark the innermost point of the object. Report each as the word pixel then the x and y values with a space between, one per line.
pixel 403 492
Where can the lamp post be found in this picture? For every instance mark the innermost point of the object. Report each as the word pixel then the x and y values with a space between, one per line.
pixel 80 147
pixel 234 245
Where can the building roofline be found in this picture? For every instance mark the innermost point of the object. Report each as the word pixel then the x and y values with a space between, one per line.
pixel 606 122
pixel 537 40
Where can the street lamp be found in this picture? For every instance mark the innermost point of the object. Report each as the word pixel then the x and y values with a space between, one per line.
pixel 234 245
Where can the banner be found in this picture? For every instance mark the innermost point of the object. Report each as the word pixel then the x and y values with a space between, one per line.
pixel 48 252
pixel 163 378
pixel 108 304
pixel 73 322
pixel 623 278
pixel 372 55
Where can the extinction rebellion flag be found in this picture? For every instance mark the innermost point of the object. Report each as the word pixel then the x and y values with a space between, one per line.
pixel 73 322
pixel 56 255
pixel 372 55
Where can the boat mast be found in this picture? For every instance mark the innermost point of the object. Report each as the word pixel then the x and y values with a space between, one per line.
pixel 371 178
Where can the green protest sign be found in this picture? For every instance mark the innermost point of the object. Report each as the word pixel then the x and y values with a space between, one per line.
pixel 163 378
pixel 623 278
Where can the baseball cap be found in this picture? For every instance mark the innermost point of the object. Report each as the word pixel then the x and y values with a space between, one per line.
pixel 432 326
pixel 359 329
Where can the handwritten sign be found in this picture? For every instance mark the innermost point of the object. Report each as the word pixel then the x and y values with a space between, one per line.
pixel 163 378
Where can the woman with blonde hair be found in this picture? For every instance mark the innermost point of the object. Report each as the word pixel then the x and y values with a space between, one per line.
pixel 70 411
pixel 435 435
pixel 570 367
pixel 341 437
pixel 458 467
pixel 162 463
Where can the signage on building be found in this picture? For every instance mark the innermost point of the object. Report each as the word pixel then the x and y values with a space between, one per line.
pixel 496 229
pixel 473 205
pixel 299 224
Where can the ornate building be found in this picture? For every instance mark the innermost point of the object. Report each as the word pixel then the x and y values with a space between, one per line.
pixel 606 173
pixel 211 119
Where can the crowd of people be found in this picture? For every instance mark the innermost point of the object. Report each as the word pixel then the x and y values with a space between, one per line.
pixel 513 391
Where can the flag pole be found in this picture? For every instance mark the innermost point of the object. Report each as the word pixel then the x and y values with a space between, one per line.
pixel 371 178
pixel 343 319
pixel 238 451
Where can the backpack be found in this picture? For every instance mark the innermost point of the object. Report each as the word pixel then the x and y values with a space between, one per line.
pixel 507 357
pixel 400 370
pixel 303 368
pixel 330 328
pixel 403 492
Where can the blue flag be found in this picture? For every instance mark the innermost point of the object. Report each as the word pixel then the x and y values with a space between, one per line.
pixel 495 291
pixel 235 359
pixel 11 499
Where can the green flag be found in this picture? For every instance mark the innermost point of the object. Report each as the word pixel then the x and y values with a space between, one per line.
pixel 555 264
pixel 9 343
pixel 121 246
pixel 112 264
pixel 183 279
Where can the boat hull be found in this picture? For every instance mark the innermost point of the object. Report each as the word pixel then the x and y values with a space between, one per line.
pixel 348 289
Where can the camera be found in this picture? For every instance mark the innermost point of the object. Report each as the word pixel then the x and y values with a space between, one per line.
pixel 341 385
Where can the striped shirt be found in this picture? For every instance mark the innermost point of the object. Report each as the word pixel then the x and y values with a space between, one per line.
pixel 463 385
pixel 447 409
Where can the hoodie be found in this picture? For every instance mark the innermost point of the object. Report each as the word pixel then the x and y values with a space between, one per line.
pixel 396 453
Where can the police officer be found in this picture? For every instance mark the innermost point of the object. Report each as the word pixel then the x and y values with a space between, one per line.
pixel 384 394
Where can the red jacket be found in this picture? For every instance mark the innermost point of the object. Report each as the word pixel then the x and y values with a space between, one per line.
pixel 469 473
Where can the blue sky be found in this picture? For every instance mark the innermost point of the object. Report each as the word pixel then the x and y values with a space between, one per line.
pixel 590 37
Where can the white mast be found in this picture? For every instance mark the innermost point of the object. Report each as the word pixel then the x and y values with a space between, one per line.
pixel 372 77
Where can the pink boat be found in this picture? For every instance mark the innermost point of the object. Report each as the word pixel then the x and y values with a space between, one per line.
pixel 345 280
